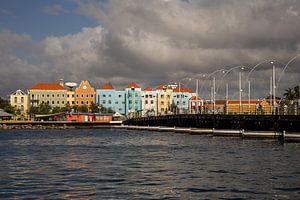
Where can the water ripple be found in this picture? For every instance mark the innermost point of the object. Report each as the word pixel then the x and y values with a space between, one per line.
pixel 121 164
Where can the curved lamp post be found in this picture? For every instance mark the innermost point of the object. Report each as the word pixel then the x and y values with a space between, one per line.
pixel 213 89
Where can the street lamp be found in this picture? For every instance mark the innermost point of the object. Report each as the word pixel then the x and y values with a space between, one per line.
pixel 213 89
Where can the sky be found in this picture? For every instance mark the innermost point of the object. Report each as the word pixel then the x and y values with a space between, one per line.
pixel 150 42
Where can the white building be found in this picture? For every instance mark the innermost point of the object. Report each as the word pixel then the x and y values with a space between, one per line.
pixel 19 100
pixel 149 102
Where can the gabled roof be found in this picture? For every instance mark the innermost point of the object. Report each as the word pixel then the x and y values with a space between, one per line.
pixel 163 86
pixel 133 85
pixel 107 86
pixel 148 89
pixel 195 98
pixel 183 89
pixel 47 86
pixel 18 92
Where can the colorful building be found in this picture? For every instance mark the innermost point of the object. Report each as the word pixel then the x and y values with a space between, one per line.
pixel 85 94
pixel 195 104
pixel 164 99
pixel 71 97
pixel 88 117
pixel 19 100
pixel 133 100
pixel 53 94
pixel 181 98
pixel 149 102
pixel 108 97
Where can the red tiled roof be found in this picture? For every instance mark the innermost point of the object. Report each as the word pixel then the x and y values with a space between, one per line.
pixel 161 87
pixel 107 86
pixel 195 98
pixel 148 89
pixel 47 86
pixel 182 89
pixel 133 85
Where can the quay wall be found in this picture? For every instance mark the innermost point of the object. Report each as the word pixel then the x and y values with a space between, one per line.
pixel 290 123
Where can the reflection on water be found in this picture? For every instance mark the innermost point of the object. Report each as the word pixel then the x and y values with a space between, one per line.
pixel 112 164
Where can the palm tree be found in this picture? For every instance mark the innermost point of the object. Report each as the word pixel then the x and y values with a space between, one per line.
pixel 289 94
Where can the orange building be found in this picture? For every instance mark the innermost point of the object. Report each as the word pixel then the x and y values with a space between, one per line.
pixel 85 94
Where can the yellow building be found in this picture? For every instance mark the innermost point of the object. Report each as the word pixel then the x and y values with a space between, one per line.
pixel 71 98
pixel 19 100
pixel 85 94
pixel 256 107
pixel 164 99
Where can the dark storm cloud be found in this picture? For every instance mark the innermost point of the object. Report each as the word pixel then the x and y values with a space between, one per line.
pixel 161 41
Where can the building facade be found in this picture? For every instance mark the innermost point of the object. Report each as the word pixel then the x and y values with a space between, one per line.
pixel 53 94
pixel 195 105
pixel 133 101
pixel 108 97
pixel 19 100
pixel 164 99
pixel 181 98
pixel 85 94
pixel 149 102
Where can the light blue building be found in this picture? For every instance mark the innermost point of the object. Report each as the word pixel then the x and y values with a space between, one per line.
pixel 133 100
pixel 108 97
pixel 181 97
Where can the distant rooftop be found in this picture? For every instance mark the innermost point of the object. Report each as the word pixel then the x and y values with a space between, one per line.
pixel 47 86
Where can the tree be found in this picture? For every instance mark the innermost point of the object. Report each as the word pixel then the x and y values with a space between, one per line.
pixel 94 108
pixel 4 104
pixel 289 94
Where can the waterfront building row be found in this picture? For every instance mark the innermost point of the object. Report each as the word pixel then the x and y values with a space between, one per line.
pixel 133 100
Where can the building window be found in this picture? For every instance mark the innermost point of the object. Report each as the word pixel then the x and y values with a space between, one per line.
pixel 136 101
pixel 161 96
pixel 120 96
pixel 57 95
pixel 161 103
pixel 104 102
pixel 109 101
pixel 63 102
pixel 152 101
pixel 92 95
pixel 16 99
pixel 87 102
pixel 146 96
pixel 48 95
pixel 32 96
pixel 77 95
pixel 109 95
pixel 58 102
pixel 136 94
pixel 82 96
pixel 87 95
pixel 63 95
pixel 22 99
pixel 104 95
pixel 82 103
pixel 43 101
pixel 68 96
pixel 77 102
pixel 92 102
pixel 53 95
pixel 116 102
pixel 73 95
pixel 43 95
pixel 178 96
pixel 120 109
pixel 150 95
pixel 130 101
pixel 146 102
pixel 73 102
pixel 52 102
pixel 48 102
